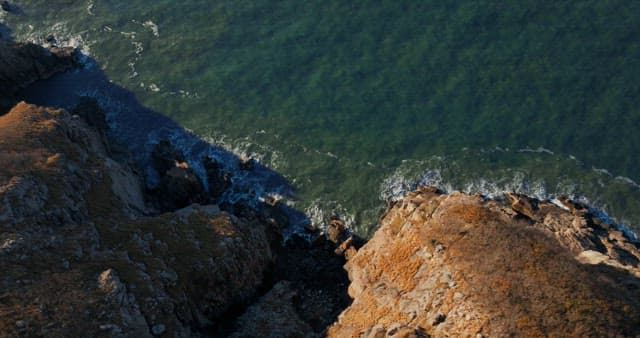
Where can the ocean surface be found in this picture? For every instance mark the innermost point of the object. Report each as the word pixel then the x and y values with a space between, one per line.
pixel 354 103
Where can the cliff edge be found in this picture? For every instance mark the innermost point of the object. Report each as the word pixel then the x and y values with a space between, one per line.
pixel 463 266
pixel 86 248
pixel 78 253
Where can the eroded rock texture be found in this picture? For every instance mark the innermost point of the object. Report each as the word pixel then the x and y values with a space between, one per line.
pixel 462 266
pixel 78 253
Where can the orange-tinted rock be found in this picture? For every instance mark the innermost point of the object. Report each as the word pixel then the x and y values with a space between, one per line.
pixel 461 266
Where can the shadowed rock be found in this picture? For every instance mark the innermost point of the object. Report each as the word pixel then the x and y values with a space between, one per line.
pixel 79 256
pixel 24 63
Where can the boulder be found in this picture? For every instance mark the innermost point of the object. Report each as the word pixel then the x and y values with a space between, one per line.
pixel 164 156
pixel 179 187
pixel 218 179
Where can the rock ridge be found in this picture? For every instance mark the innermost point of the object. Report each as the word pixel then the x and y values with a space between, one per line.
pixel 459 265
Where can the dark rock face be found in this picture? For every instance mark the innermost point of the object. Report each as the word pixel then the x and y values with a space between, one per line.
pixel 24 63
pixel 218 180
pixel 89 110
pixel 274 315
pixel 165 156
pixel 179 185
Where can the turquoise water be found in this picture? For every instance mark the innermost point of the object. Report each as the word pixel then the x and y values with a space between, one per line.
pixel 355 102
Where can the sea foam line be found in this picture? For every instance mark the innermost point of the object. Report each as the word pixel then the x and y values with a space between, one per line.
pixel 398 184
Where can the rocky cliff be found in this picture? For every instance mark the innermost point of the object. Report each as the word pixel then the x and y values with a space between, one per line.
pixel 86 249
pixel 462 266
pixel 78 253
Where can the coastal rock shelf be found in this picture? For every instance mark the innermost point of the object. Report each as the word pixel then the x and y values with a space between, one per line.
pixel 462 266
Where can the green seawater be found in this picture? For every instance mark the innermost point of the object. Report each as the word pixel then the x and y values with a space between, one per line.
pixel 355 102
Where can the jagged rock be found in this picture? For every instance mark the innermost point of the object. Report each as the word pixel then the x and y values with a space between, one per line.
pixel 65 200
pixel 458 265
pixel 165 156
pixel 346 248
pixel 109 283
pixel 246 163
pixel 52 162
pixel 218 180
pixel 336 230
pixel 80 253
pixel 179 185
pixel 315 273
pixel 89 110
pixel 273 315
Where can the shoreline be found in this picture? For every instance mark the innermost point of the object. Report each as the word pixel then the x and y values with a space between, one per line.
pixel 95 240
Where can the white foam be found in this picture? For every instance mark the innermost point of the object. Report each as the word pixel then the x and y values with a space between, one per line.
pixel 137 50
pixel 403 180
pixel 602 171
pixel 628 181
pixel 90 5
pixel 186 94
pixel 152 26
pixel 536 150
pixel 319 212
pixel 246 148
pixel 64 38
pixel 154 88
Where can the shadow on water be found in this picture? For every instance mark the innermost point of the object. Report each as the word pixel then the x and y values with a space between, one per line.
pixel 12 8
pixel 5 33
pixel 140 129
pixel 313 270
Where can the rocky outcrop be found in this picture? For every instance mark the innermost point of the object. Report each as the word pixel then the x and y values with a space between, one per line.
pixel 24 63
pixel 87 249
pixel 87 246
pixel 462 266
pixel 80 253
